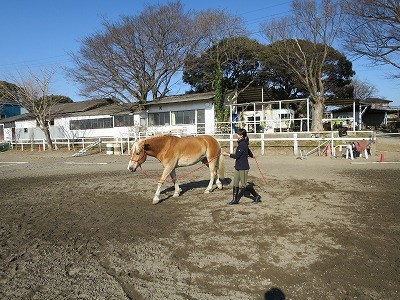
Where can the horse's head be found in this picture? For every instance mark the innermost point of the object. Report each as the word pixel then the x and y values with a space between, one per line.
pixel 138 156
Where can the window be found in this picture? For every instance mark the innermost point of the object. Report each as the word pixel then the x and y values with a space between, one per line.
pixel 9 125
pixel 201 116
pixel 159 119
pixel 178 117
pixel 183 117
pixel 91 124
pixel 285 116
pixel 201 120
pixel 124 121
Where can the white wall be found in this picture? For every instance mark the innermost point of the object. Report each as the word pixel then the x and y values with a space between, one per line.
pixel 185 128
pixel 7 134
pixel 63 125
pixel 27 130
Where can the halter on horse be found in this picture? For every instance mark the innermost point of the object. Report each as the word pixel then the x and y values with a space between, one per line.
pixel 174 152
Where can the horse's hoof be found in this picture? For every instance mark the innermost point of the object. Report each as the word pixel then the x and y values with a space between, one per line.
pixel 206 191
pixel 156 200
pixel 219 186
pixel 178 193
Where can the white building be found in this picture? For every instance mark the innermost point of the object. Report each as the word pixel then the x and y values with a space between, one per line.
pixel 185 115
pixel 93 118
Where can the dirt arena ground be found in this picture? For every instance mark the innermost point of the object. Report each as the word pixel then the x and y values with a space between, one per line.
pixel 86 228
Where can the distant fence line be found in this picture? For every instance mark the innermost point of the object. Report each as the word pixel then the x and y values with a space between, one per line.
pixel 293 140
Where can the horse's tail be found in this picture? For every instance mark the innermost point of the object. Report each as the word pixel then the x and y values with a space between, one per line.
pixel 221 166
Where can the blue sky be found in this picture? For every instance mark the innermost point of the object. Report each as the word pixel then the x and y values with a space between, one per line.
pixel 40 34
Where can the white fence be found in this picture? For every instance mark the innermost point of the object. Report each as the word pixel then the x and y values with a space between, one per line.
pixel 315 139
pixel 294 140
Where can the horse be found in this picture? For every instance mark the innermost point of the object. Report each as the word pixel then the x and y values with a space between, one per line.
pixel 174 152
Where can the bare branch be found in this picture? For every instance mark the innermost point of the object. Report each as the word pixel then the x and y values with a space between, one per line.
pixel 363 89
pixel 311 22
pixel 373 30
pixel 136 58
pixel 32 91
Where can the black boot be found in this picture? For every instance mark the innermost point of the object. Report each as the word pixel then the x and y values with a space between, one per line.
pixel 257 197
pixel 236 196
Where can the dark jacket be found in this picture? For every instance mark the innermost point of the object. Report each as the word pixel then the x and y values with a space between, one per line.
pixel 241 155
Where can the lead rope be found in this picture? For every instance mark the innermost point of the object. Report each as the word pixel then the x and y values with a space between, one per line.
pixel 259 170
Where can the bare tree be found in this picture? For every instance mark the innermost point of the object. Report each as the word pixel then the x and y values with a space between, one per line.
pixel 32 91
pixel 213 26
pixel 2 105
pixel 5 88
pixel 372 29
pixel 318 23
pixel 136 59
pixel 218 32
pixel 363 89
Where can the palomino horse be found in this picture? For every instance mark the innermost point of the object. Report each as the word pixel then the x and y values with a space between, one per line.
pixel 173 152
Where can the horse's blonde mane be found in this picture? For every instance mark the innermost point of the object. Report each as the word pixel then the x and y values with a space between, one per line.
pixel 137 146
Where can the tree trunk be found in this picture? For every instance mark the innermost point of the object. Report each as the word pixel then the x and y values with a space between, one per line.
pixel 318 113
pixel 219 95
pixel 46 132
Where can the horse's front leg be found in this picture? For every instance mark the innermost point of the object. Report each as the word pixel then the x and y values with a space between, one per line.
pixel 166 172
pixel 178 190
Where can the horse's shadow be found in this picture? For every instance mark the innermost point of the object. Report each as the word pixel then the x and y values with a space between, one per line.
pixel 186 187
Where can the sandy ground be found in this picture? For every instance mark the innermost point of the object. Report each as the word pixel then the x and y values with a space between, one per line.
pixel 85 228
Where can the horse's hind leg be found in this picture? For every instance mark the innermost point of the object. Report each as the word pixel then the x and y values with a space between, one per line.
pixel 213 174
pixel 217 171
pixel 178 190
pixel 218 183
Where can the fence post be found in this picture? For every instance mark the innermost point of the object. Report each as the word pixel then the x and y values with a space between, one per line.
pixel 262 143
pixel 295 144
pixel 231 143
pixel 69 146
pixel 44 145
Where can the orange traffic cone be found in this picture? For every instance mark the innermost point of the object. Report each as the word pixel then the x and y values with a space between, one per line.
pixel 382 159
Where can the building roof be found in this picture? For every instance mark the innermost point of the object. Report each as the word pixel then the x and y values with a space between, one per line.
pixel 82 106
pixel 21 117
pixel 8 102
pixel 257 94
pixel 252 94
pixel 183 98
pixel 376 100
pixel 111 109
pixel 94 107
pixel 369 109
